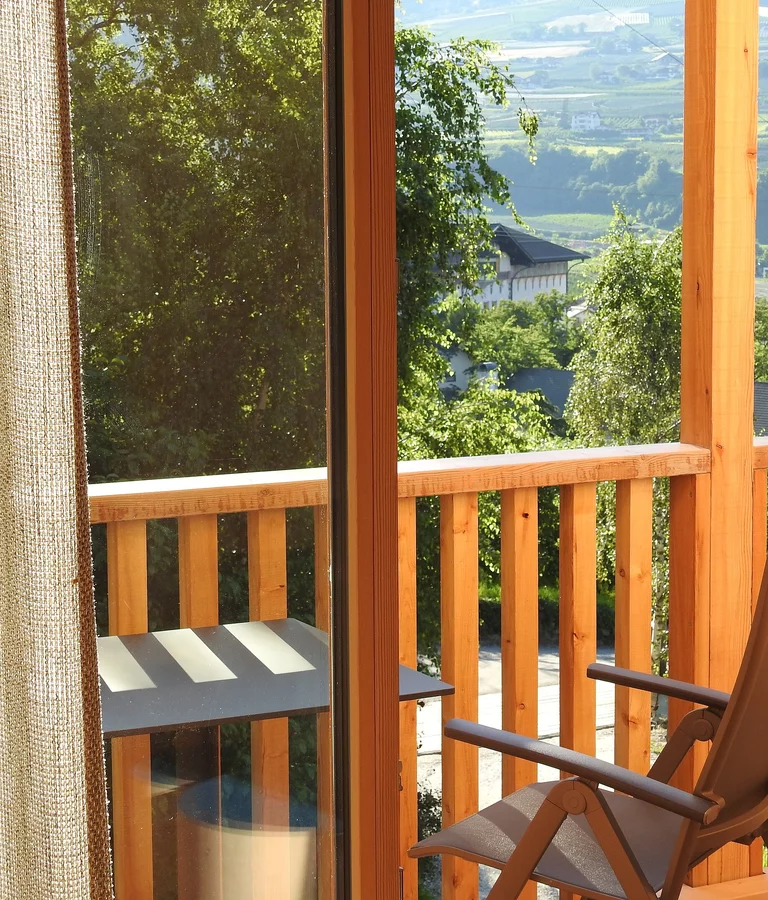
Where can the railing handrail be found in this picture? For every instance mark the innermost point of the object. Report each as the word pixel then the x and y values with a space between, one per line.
pixel 292 488
pixel 761 453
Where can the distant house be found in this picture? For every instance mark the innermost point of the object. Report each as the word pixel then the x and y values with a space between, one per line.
pixel 664 66
pixel 761 408
pixel 464 370
pixel 526 265
pixel 553 384
pixel 653 123
pixel 586 121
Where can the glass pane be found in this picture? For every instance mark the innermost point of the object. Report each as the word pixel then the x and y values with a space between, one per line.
pixel 539 201
pixel 198 137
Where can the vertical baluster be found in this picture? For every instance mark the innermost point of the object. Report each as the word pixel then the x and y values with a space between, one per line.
pixel 268 599
pixel 519 633
pixel 578 616
pixel 759 541
pixel 519 627
pixel 326 882
pixel 406 552
pixel 460 650
pixel 578 620
pixel 198 752
pixel 634 537
pixel 689 550
pixel 131 758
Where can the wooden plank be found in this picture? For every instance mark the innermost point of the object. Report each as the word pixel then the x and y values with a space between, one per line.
pixel 326 869
pixel 131 757
pixel 634 541
pixel 548 468
pixel 198 752
pixel 198 571
pixel 179 497
pixel 578 616
pixel 171 498
pixel 369 478
pixel 459 653
pixel 720 174
pixel 689 552
pixel 520 634
pixel 268 599
pixel 409 814
pixel 689 586
pixel 519 627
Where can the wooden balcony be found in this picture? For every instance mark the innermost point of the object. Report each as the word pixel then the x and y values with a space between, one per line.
pixel 266 497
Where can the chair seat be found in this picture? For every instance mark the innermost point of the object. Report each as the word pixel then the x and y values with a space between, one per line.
pixel 574 859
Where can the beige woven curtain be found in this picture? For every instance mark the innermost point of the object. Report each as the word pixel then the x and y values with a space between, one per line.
pixel 53 822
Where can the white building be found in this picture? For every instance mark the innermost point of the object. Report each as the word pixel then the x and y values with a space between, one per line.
pixel 586 121
pixel 525 266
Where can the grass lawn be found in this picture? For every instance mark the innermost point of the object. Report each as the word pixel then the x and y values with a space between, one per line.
pixel 591 225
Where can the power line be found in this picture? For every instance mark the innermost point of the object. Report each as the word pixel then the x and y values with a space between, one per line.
pixel 638 32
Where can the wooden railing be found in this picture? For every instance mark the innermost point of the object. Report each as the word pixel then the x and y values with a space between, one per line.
pixel 196 502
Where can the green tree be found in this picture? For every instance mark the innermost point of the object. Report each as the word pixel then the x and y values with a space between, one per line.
pixel 444 180
pixel 480 422
pixel 518 334
pixel 627 380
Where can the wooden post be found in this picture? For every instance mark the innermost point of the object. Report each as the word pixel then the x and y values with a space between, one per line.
pixel 720 156
pixel 409 813
pixel 268 599
pixel 131 757
pixel 520 633
pixel 634 536
pixel 366 481
pixel 459 654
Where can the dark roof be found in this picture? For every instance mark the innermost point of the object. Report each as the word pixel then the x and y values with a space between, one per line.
pixel 761 407
pixel 554 384
pixel 525 249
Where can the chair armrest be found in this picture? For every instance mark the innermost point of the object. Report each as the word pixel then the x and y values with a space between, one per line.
pixel 668 687
pixel 698 809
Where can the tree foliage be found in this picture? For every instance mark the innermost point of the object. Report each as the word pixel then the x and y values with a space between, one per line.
pixel 520 334
pixel 627 381
pixel 444 181
pixel 627 374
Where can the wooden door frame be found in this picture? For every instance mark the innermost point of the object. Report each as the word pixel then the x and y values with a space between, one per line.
pixel 363 442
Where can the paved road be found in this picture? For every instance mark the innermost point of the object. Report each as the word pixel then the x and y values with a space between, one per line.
pixel 489 713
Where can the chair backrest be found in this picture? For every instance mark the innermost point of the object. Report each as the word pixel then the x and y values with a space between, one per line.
pixel 737 766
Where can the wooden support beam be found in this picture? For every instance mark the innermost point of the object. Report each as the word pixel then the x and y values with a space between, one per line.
pixel 409 813
pixel 634 540
pixel 131 757
pixel 367 479
pixel 459 654
pixel 720 176
pixel 268 599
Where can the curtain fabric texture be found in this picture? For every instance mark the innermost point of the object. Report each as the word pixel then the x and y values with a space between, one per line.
pixel 53 816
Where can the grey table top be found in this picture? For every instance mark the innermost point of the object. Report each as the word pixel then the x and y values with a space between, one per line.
pixel 192 678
